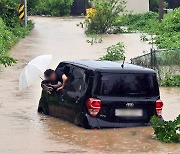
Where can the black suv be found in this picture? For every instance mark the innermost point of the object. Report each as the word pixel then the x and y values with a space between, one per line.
pixel 103 94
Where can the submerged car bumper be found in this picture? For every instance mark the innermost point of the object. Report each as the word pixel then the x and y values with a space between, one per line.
pixel 98 123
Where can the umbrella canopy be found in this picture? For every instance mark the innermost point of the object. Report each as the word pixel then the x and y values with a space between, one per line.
pixel 33 70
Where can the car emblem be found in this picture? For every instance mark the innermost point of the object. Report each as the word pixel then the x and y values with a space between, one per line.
pixel 129 104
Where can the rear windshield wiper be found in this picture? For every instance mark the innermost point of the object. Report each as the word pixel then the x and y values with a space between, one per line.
pixel 137 93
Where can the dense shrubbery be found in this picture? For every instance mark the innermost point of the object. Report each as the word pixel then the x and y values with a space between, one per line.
pixel 106 14
pixel 171 81
pixel 166 131
pixel 50 7
pixel 169 57
pixel 11 29
pixel 114 52
pixel 168 31
pixel 147 22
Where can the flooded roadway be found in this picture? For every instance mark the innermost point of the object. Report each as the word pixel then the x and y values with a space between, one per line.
pixel 23 130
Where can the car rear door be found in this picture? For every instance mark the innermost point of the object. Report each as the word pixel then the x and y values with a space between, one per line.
pixel 126 97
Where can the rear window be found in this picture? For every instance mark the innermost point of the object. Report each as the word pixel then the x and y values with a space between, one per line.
pixel 126 85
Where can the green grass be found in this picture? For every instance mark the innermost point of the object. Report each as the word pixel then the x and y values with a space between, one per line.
pixel 167 32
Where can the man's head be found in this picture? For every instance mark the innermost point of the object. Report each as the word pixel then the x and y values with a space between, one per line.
pixel 50 74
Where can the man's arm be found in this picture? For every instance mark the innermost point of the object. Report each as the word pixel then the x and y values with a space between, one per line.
pixel 56 85
pixel 64 78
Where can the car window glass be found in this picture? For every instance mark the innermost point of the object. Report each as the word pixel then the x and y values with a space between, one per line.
pixel 77 82
pixel 126 85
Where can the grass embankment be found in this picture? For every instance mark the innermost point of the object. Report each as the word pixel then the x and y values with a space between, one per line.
pixel 11 29
pixel 8 38
pixel 167 32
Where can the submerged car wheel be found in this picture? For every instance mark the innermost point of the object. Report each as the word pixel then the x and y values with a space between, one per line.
pixel 42 111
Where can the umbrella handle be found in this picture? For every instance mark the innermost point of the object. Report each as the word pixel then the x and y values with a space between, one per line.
pixel 41 78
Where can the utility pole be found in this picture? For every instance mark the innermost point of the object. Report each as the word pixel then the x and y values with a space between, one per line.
pixel 161 9
pixel 25 13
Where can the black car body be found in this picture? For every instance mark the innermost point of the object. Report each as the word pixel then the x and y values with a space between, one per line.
pixel 103 94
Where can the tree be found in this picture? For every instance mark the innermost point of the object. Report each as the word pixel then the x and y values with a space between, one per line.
pixel 161 9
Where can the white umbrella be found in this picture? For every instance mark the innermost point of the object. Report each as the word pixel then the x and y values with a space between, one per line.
pixel 33 70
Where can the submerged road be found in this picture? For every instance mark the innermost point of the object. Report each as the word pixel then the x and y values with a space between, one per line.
pixel 23 130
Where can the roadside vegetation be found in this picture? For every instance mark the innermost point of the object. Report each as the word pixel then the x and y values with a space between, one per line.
pixel 166 36
pixel 114 52
pixel 167 32
pixel 11 30
pixel 104 16
pixel 166 131
pixel 50 7
pixel 173 81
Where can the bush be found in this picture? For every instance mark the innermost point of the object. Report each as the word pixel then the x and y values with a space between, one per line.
pixel 166 131
pixel 9 12
pixel 114 52
pixel 106 14
pixel 169 57
pixel 6 60
pixel 171 81
pixel 50 7
pixel 11 29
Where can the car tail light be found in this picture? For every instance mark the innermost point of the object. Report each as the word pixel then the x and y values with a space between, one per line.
pixel 93 106
pixel 159 106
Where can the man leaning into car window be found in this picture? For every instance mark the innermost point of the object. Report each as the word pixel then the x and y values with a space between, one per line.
pixel 57 79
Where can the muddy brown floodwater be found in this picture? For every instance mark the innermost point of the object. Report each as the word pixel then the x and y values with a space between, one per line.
pixel 23 130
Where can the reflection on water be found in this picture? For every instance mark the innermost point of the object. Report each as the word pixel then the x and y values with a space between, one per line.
pixel 23 130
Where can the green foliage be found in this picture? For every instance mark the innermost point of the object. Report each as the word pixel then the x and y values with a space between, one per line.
pixel 50 7
pixel 9 12
pixel 169 57
pixel 106 14
pixel 11 29
pixel 114 52
pixel 6 60
pixel 6 37
pixel 166 131
pixel 147 22
pixel 167 32
pixel 143 37
pixel 171 81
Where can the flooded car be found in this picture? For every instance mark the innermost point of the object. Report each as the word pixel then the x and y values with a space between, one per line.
pixel 104 94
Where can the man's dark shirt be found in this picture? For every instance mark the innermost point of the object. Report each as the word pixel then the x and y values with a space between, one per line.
pixel 59 73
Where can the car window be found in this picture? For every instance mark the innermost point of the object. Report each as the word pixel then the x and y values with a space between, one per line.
pixel 126 85
pixel 77 82
pixel 65 68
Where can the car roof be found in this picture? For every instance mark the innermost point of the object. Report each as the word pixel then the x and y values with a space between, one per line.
pixel 108 66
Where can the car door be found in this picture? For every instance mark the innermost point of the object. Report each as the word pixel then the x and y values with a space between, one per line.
pixel 73 92
pixel 56 101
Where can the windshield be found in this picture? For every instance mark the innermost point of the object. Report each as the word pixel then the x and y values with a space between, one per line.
pixel 126 85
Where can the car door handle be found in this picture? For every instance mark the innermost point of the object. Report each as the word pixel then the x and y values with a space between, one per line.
pixel 77 100
pixel 62 98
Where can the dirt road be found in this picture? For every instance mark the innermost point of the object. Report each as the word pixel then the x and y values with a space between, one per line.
pixel 24 131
